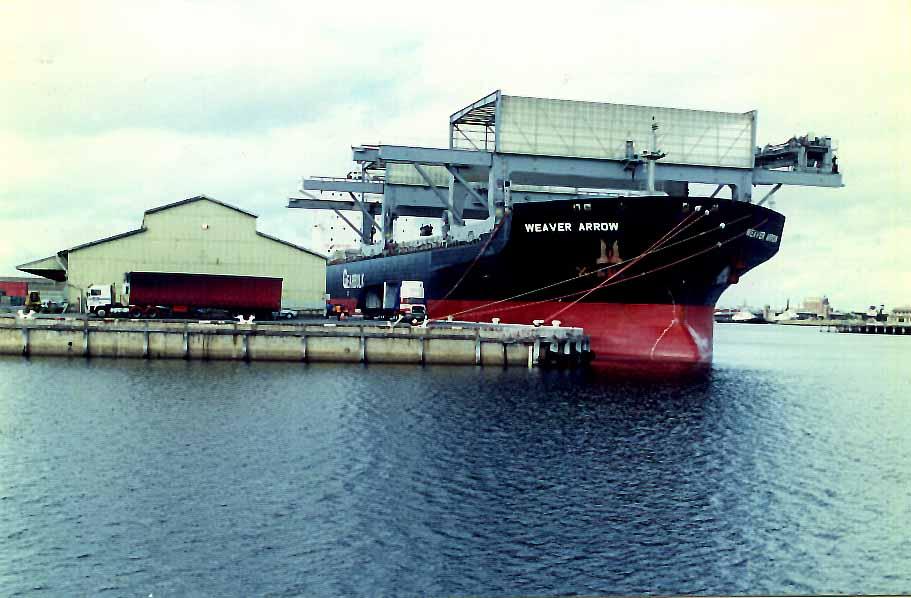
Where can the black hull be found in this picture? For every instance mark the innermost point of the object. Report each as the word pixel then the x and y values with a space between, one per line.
pixel 644 251
pixel 689 268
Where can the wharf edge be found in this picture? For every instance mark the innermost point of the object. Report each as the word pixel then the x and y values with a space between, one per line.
pixel 454 343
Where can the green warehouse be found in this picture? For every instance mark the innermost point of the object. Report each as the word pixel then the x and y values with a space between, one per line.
pixel 199 235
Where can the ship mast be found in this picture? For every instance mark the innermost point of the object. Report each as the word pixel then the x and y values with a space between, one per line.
pixel 653 156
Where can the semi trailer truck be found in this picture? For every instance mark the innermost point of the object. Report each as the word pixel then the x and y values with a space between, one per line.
pixel 170 294
pixel 390 301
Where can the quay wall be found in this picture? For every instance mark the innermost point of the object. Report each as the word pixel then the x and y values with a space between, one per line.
pixel 449 343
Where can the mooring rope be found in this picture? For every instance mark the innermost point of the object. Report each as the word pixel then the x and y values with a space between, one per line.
pixel 666 237
pixel 482 309
pixel 593 272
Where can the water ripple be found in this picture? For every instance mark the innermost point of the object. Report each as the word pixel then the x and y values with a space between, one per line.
pixel 773 472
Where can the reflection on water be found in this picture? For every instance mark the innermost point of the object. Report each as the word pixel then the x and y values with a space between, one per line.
pixel 784 468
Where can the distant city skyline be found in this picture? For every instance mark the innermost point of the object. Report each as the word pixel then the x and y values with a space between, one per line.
pixel 109 110
pixel 800 303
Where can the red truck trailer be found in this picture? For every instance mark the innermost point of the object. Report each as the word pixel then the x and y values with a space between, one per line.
pixel 161 294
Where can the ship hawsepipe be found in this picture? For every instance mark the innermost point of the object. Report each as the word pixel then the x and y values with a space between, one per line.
pixel 641 275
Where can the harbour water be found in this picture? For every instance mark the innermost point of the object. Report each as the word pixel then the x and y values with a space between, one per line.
pixel 783 469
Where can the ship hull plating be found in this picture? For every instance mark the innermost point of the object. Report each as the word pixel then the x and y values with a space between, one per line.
pixel 641 275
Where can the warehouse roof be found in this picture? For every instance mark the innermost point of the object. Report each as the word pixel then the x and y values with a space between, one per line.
pixel 289 244
pixel 105 240
pixel 52 267
pixel 198 198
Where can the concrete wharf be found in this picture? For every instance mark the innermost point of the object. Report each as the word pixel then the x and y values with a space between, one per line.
pixel 465 343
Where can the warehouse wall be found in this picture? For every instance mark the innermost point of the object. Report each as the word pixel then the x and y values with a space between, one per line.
pixel 201 237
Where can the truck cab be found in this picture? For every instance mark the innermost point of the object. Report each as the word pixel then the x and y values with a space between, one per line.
pixel 101 300
pixel 98 296
pixel 412 306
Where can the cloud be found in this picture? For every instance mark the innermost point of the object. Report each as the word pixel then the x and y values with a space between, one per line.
pixel 195 67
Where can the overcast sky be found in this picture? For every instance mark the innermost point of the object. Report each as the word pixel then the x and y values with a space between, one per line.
pixel 108 109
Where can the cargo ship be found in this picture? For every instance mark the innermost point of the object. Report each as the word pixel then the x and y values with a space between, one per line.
pixel 640 275
pixel 612 243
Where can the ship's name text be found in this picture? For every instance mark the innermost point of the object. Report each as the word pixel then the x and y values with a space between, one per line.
pixel 352 281
pixel 762 235
pixel 567 227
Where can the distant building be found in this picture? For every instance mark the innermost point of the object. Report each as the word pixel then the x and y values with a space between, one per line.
pixel 875 314
pixel 900 315
pixel 14 290
pixel 818 306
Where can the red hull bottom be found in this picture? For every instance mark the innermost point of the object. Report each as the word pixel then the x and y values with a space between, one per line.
pixel 618 331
